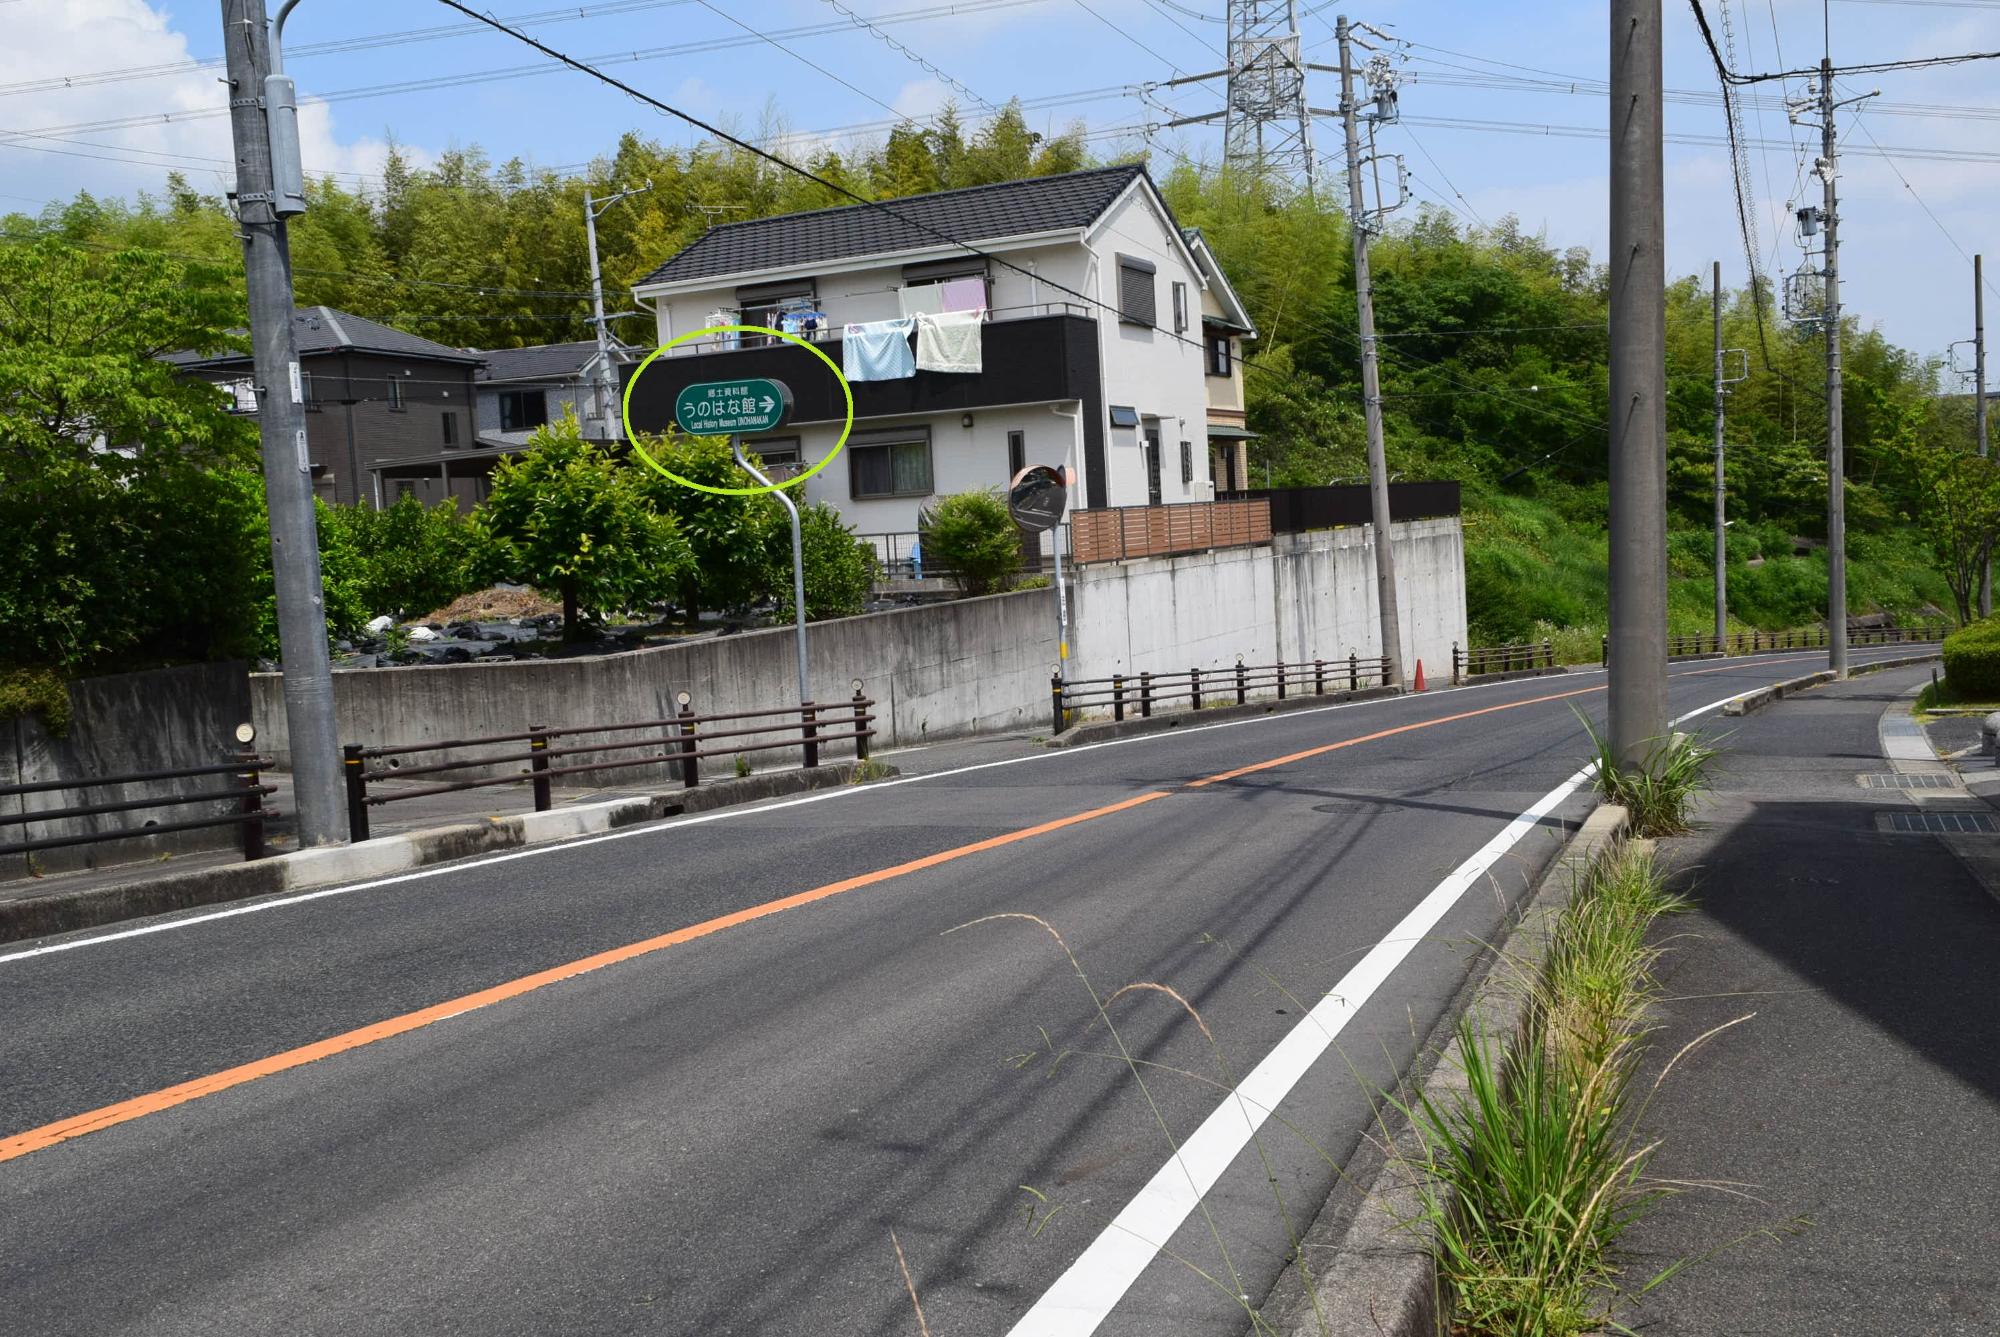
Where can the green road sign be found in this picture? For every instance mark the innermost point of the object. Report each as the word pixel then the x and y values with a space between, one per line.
pixel 752 404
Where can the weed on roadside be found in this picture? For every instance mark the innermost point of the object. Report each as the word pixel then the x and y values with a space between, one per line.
pixel 1659 789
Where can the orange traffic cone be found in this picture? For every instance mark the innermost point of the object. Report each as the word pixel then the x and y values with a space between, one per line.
pixel 1420 675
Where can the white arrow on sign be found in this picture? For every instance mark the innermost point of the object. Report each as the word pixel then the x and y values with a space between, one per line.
pixel 769 403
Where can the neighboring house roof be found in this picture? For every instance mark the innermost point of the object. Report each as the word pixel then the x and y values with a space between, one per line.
pixel 321 329
pixel 1235 313
pixel 912 223
pixel 539 362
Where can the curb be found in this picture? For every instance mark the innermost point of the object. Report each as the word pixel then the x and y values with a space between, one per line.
pixel 1764 696
pixel 1098 731
pixel 1374 1274
pixel 1509 675
pixel 64 912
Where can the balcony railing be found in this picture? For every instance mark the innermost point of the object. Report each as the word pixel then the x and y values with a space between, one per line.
pixel 831 331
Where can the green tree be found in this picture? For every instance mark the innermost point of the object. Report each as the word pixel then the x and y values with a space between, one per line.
pixel 1957 506
pixel 971 535
pixel 840 569
pixel 571 520
pixel 729 535
pixel 128 494
pixel 405 560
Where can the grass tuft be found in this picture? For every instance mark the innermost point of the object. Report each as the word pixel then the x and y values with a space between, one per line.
pixel 1659 789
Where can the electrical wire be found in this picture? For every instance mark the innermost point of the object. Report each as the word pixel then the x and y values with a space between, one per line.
pixel 907 53
pixel 1871 67
pixel 1938 222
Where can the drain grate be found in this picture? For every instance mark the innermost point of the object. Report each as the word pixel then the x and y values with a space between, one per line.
pixel 1940 823
pixel 1884 781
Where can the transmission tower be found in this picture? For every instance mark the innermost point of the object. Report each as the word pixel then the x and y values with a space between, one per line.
pixel 1266 122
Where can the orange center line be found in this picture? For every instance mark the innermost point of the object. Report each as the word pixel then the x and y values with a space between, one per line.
pixel 1323 749
pixel 124 1111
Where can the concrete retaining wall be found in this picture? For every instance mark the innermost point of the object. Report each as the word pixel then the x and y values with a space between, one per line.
pixel 969 666
pixel 122 725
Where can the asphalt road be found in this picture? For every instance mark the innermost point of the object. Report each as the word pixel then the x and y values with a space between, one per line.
pixel 716 1128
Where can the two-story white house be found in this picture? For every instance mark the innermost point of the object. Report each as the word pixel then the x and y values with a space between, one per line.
pixel 1090 346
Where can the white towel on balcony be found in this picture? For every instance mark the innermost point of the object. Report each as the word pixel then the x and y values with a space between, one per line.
pixel 950 341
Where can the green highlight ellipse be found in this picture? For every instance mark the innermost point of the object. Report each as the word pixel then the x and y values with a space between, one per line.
pixel 846 390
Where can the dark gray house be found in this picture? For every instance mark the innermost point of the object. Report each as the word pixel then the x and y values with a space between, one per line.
pixel 519 389
pixel 388 413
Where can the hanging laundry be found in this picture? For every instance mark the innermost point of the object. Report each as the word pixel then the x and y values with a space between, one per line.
pixel 878 351
pixel 964 294
pixel 950 342
pixel 922 299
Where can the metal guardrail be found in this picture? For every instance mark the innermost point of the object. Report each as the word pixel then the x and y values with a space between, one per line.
pixel 1799 638
pixel 677 741
pixel 1234 684
pixel 238 779
pixel 1513 658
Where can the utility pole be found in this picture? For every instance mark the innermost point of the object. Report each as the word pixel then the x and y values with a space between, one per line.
pixel 1371 379
pixel 1721 539
pixel 1723 380
pixel 608 408
pixel 1979 410
pixel 267 272
pixel 1836 482
pixel 1638 635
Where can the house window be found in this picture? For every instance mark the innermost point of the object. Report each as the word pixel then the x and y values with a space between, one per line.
pixel 1180 308
pixel 1187 464
pixel 778 457
pixel 1136 300
pixel 894 462
pixel 1124 415
pixel 766 304
pixel 306 395
pixel 1218 355
pixel 1017 454
pixel 945 285
pixel 396 404
pixel 523 410
pixel 451 429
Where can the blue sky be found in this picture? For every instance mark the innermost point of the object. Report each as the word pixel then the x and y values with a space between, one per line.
pixel 1083 59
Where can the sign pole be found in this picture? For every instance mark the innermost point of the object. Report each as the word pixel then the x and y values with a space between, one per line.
pixel 798 560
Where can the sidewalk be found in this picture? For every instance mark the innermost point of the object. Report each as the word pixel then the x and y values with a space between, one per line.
pixel 1860 1106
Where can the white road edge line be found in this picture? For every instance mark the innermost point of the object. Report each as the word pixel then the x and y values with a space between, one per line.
pixel 1084 1296
pixel 675 823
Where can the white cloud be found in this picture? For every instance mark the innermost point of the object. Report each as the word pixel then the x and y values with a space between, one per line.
pixel 81 37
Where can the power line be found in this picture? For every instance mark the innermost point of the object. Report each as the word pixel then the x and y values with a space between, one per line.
pixel 810 64
pixel 1871 67
pixel 1452 186
pixel 1939 222
pixel 907 53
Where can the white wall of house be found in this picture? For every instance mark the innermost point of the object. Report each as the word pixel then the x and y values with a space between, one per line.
pixel 1150 370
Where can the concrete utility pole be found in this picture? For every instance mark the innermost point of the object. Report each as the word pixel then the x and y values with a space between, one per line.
pixel 1371 379
pixel 1836 465
pixel 1723 380
pixel 608 408
pixel 267 271
pixel 1638 706
pixel 1979 408
pixel 1721 538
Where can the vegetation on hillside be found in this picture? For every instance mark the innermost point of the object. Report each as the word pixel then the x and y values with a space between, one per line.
pixel 1494 373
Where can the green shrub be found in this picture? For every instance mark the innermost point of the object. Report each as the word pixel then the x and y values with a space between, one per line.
pixel 1972 661
pixel 404 560
pixel 839 568
pixel 35 692
pixel 972 536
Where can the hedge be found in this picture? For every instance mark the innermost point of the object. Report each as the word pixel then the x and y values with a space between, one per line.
pixel 1972 660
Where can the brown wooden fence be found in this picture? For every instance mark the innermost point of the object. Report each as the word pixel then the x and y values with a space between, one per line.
pixel 1117 532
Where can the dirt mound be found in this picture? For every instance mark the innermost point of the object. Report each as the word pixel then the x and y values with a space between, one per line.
pixel 494 605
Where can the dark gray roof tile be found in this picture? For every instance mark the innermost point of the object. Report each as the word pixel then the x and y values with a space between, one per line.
pixel 974 214
pixel 538 362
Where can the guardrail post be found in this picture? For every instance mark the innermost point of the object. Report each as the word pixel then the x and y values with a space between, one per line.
pixel 1145 695
pixel 1117 696
pixel 861 729
pixel 355 768
pixel 690 763
pixel 1281 679
pixel 809 733
pixel 1194 688
pixel 1548 653
pixel 538 765
pixel 1056 694
pixel 1604 651
pixel 1242 690
pixel 1319 677
pixel 253 807
pixel 1353 672
pixel 1455 652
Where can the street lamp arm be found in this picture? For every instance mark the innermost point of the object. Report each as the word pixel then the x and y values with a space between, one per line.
pixel 278 35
